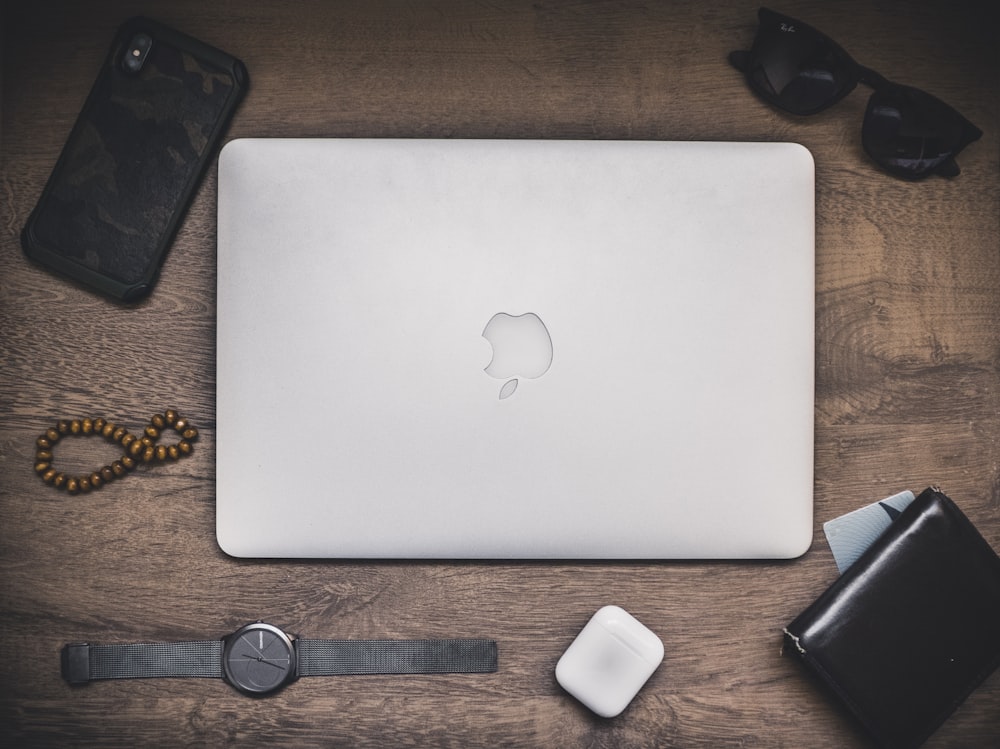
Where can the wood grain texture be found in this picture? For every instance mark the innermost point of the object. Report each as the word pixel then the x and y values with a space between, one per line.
pixel 907 386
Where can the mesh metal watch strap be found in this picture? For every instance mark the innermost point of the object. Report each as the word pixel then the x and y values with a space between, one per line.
pixel 82 663
pixel 338 657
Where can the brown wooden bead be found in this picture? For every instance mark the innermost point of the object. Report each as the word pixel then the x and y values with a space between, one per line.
pixel 87 426
pixel 147 441
pixel 43 455
pixel 43 443
pixel 42 467
pixel 158 421
pixel 109 429
pixel 128 461
pixel 152 432
pixel 185 447
pixel 170 416
pixel 84 483
pixel 190 434
pixel 49 475
pixel 72 485
pixel 96 482
pixel 99 423
pixel 75 426
pixel 52 435
pixel 59 481
pixel 128 439
pixel 148 453
pixel 107 474
pixel 118 468
pixel 62 426
pixel 119 434
pixel 135 448
pixel 173 452
pixel 180 425
pixel 161 452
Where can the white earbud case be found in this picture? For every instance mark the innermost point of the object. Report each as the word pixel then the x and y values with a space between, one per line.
pixel 609 661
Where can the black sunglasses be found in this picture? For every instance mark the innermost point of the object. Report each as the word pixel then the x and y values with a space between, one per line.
pixel 906 131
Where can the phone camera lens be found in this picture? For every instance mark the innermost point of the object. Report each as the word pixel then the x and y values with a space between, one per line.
pixel 136 53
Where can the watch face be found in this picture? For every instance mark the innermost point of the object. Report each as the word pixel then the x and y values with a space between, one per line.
pixel 259 658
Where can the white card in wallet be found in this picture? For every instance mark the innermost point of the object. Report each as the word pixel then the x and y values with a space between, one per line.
pixel 849 535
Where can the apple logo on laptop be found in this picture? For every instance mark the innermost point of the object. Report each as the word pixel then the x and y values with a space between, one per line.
pixel 522 348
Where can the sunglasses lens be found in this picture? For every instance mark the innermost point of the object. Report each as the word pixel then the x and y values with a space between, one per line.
pixel 796 68
pixel 912 134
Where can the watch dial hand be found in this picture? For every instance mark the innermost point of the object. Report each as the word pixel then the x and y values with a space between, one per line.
pixel 262 660
pixel 252 646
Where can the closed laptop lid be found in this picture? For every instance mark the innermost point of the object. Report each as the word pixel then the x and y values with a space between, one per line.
pixel 515 349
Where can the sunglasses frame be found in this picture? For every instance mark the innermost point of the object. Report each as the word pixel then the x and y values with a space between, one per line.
pixel 855 73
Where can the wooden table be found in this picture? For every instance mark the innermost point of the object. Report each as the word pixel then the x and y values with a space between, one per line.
pixel 907 390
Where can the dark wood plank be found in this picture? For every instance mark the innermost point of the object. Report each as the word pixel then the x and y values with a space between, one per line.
pixel 907 390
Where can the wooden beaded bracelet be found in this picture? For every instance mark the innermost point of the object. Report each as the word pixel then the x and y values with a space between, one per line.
pixel 142 449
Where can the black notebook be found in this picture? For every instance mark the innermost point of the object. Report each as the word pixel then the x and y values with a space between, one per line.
pixel 912 628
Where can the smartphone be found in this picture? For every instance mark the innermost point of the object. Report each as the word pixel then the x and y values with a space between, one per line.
pixel 134 158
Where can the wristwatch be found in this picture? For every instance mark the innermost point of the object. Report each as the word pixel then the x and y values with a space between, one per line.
pixel 260 659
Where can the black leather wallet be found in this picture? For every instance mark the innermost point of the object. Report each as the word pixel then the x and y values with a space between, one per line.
pixel 906 634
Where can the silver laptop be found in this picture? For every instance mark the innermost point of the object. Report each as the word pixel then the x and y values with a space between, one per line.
pixel 515 349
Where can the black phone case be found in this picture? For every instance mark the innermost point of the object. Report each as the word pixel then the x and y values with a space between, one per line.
pixel 133 161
